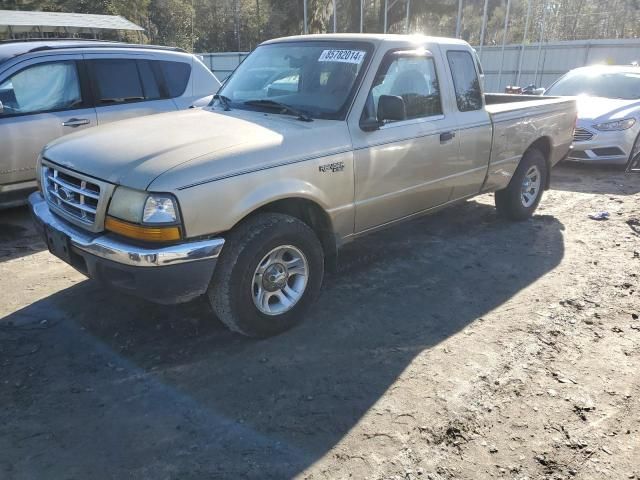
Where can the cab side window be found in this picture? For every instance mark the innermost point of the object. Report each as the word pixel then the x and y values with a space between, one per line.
pixel 44 87
pixel 465 80
pixel 411 77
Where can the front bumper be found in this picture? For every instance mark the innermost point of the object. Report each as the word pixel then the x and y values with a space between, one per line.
pixel 603 148
pixel 170 274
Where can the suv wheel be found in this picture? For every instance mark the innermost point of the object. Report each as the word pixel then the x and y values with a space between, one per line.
pixel 268 275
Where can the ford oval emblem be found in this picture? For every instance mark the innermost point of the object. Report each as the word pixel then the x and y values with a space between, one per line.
pixel 66 194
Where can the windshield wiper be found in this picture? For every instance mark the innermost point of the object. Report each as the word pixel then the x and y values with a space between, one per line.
pixel 282 106
pixel 225 101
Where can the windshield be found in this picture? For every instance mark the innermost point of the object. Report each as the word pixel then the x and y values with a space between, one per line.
pixel 598 83
pixel 317 78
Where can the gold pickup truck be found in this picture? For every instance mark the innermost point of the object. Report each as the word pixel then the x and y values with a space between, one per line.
pixel 312 142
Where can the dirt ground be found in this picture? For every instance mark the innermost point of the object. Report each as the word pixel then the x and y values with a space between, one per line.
pixel 457 346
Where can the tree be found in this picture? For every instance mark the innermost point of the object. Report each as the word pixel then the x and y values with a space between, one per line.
pixel 230 25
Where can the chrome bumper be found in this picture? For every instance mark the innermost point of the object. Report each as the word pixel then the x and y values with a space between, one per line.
pixel 170 274
pixel 110 248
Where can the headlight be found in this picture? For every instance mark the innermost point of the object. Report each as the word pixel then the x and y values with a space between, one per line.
pixel 616 125
pixel 127 204
pixel 143 207
pixel 143 216
pixel 160 209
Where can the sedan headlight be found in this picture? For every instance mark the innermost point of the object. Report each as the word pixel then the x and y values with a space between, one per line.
pixel 143 215
pixel 615 125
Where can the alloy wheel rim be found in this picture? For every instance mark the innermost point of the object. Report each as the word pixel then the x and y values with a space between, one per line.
pixel 280 280
pixel 530 186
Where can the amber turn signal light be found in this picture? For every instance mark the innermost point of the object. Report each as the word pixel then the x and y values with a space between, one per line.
pixel 142 232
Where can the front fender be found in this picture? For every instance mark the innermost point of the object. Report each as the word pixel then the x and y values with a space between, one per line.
pixel 279 190
pixel 218 206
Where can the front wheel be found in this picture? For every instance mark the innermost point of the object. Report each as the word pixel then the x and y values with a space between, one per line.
pixel 523 194
pixel 268 275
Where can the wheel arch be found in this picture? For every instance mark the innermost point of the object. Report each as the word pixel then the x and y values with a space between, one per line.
pixel 543 145
pixel 311 213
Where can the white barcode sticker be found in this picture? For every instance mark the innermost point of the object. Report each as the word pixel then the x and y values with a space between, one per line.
pixel 342 56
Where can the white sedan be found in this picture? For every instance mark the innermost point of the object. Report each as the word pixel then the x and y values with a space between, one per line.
pixel 608 99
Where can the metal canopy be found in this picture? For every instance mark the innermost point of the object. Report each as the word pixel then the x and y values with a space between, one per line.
pixel 14 22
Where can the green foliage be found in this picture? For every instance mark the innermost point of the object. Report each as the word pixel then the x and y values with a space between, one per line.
pixel 232 25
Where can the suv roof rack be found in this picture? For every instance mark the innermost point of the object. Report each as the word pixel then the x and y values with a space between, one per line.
pixel 94 43
pixel 107 44
pixel 55 39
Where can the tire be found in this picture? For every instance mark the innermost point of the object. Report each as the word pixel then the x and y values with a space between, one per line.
pixel 633 164
pixel 515 202
pixel 291 259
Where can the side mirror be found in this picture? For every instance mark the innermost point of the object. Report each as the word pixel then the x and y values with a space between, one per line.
pixel 391 107
pixel 1 108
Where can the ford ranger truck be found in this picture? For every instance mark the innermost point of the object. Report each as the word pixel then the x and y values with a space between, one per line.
pixel 312 142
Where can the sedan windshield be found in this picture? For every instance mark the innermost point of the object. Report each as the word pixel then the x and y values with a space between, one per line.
pixel 316 79
pixel 598 83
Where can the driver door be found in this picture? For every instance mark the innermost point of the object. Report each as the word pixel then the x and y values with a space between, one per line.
pixel 401 168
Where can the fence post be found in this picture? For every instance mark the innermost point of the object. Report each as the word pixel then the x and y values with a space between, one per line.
pixel 386 8
pixel 304 10
pixel 459 19
pixel 586 54
pixel 335 18
pixel 524 40
pixel 406 21
pixel 483 28
pixel 544 19
pixel 504 40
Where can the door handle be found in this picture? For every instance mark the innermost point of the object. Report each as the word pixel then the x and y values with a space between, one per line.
pixel 75 122
pixel 446 136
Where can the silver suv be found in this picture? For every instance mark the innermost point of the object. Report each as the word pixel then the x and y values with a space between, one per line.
pixel 50 88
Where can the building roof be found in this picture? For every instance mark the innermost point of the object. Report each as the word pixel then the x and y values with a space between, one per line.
pixel 20 22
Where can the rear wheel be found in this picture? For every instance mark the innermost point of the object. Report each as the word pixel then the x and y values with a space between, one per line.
pixel 523 194
pixel 268 275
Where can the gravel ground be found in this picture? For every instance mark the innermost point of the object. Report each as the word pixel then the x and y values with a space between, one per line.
pixel 455 346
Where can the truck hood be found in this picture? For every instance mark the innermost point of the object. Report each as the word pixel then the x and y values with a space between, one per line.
pixel 136 152
pixel 602 109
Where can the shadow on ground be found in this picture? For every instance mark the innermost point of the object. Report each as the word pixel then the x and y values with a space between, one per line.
pixel 113 387
pixel 584 178
pixel 17 235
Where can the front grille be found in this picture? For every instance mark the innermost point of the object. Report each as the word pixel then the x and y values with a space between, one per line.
pixel 75 196
pixel 582 135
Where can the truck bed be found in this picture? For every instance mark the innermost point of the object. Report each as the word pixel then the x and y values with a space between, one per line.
pixel 519 121
pixel 503 102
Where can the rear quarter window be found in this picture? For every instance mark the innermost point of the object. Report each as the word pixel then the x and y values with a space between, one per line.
pixel 465 80
pixel 176 76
